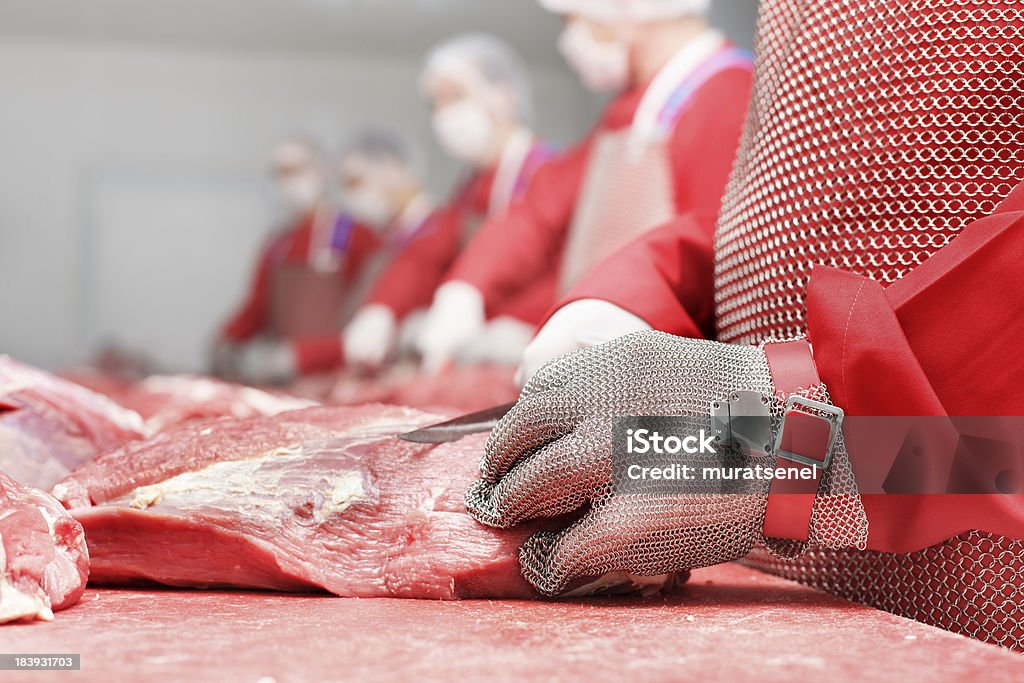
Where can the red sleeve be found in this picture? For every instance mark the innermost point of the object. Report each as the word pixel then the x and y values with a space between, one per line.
pixel 510 251
pixel 953 320
pixel 364 245
pixel 417 270
pixel 318 354
pixel 941 341
pixel 251 318
pixel 706 139
pixel 665 277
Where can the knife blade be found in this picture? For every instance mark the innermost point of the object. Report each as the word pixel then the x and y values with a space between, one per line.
pixel 453 430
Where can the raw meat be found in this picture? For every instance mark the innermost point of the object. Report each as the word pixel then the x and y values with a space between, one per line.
pixel 43 560
pixel 463 389
pixel 457 389
pixel 99 381
pixel 316 387
pixel 167 401
pixel 320 498
pixel 111 371
pixel 357 390
pixel 51 426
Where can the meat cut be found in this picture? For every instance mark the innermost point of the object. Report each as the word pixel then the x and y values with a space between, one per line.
pixel 43 560
pixel 323 498
pixel 166 401
pixel 49 426
pixel 463 389
pixel 459 389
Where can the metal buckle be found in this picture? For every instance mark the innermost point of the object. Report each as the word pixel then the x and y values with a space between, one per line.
pixel 743 421
pixel 823 411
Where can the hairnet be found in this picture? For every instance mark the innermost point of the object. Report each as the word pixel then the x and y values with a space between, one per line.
pixel 628 10
pixel 482 61
pixel 385 145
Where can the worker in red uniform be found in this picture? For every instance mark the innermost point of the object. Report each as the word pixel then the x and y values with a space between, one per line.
pixel 664 147
pixel 481 98
pixel 303 288
pixel 866 260
pixel 382 186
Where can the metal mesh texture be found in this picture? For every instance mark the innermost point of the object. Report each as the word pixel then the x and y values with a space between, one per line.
pixel 838 519
pixel 552 455
pixel 878 130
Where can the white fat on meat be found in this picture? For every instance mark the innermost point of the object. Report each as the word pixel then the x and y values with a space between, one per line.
pixel 274 484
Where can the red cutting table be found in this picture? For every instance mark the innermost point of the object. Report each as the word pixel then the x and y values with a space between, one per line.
pixel 730 623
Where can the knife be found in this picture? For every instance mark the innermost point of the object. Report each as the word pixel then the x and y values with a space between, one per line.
pixel 453 430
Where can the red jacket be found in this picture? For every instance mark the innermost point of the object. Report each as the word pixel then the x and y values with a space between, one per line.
pixel 941 341
pixel 409 281
pixel 420 267
pixel 294 246
pixel 527 244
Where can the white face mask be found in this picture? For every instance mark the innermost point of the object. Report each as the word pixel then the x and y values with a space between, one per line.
pixel 302 191
pixel 603 67
pixel 466 132
pixel 370 207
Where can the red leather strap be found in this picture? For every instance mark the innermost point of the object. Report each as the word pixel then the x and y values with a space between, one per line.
pixel 791 500
pixel 792 366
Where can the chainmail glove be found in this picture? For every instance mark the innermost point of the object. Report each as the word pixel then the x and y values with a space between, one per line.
pixel 552 455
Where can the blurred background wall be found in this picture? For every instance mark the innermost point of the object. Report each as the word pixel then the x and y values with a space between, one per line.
pixel 134 140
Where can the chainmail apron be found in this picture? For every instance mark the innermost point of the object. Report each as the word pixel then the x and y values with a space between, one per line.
pixel 878 131
pixel 625 193
pixel 305 302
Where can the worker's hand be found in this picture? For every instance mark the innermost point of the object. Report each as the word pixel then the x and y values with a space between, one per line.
pixel 552 455
pixel 267 362
pixel 502 341
pixel 454 320
pixel 370 337
pixel 224 359
pixel 577 325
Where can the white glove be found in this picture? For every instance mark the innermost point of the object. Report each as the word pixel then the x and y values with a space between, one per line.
pixel 409 332
pixel 581 324
pixel 370 337
pixel 502 341
pixel 455 319
pixel 267 362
